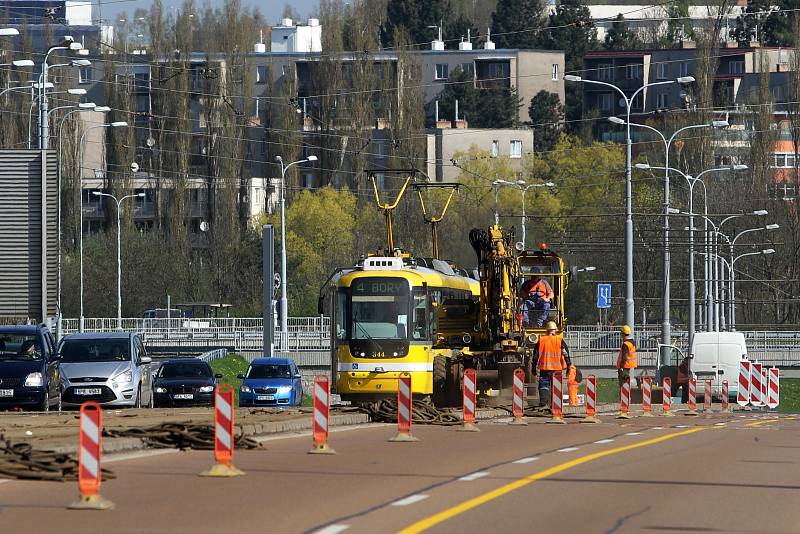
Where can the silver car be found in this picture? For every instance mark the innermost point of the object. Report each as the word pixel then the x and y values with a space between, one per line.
pixel 111 368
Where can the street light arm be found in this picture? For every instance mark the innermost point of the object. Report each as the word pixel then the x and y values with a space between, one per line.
pixel 749 230
pixel 646 85
pixel 759 253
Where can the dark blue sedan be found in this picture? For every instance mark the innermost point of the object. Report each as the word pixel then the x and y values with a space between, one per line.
pixel 271 382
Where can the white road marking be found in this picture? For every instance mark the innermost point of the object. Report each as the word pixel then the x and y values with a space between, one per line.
pixel 332 529
pixel 720 424
pixel 411 499
pixel 604 441
pixel 681 426
pixel 527 460
pixel 567 449
pixel 633 434
pixel 474 476
pixel 657 428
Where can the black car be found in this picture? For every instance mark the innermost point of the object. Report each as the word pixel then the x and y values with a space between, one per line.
pixel 185 382
pixel 30 376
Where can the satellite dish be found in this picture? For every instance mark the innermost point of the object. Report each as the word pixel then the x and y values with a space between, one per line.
pixel 150 142
pixel 203 226
pixel 134 167
pixel 277 280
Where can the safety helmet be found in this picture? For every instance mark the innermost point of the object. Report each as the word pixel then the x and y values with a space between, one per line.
pixel 626 330
pixel 550 325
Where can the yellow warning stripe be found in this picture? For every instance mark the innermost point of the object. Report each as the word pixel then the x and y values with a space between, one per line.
pixel 465 506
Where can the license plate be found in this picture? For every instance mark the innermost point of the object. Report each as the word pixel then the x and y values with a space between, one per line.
pixel 88 391
pixel 265 397
pixel 181 396
pixel 6 392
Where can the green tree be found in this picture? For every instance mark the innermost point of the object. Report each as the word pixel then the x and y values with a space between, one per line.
pixel 766 21
pixel 414 16
pixel 547 118
pixel 494 107
pixel 679 24
pixel 620 36
pixel 516 23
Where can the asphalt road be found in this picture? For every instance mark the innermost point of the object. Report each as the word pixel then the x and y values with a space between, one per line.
pixel 706 474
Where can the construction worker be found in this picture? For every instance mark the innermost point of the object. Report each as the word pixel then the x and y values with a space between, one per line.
pixel 552 355
pixel 627 359
pixel 537 296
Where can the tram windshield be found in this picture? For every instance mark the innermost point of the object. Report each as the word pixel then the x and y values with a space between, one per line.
pixel 379 309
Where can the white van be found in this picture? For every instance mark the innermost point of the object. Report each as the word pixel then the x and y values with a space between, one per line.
pixel 716 357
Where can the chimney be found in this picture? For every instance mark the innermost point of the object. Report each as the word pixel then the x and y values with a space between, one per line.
pixel 459 124
pixel 466 45
pixel 260 47
pixel 287 22
pixel 489 44
pixel 438 44
pixel 686 44
pixel 440 124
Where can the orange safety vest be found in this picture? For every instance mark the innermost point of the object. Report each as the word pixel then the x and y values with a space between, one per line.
pixel 541 289
pixel 630 360
pixel 550 354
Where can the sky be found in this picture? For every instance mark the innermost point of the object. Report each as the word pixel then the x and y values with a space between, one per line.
pixel 271 9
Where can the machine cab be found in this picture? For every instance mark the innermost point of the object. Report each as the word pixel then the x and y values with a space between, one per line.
pixel 541 289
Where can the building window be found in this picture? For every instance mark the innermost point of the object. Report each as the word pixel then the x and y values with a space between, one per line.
pixel 442 71
pixel 516 148
pixel 261 74
pixel 633 71
pixel 604 101
pixel 554 72
pixel 784 161
pixel 90 199
pixel 379 149
pixel 736 67
pixel 495 148
pixel 605 72
pixel 684 68
pixel 308 180
pixel 662 101
pixel 146 199
pixel 85 75
pixel 723 160
pixel 468 69
pixel 142 103
pixel 661 71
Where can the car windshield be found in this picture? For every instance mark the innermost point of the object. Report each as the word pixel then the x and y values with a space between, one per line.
pixel 95 350
pixel 184 370
pixel 20 347
pixel 269 371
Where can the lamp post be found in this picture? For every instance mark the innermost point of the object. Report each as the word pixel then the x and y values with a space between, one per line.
pixel 84 106
pixel 524 189
pixel 118 124
pixel 284 300
pixel 629 304
pixel 666 320
pixel 45 114
pixel 44 127
pixel 119 249
pixel 692 181
pixel 732 243
pixel 497 184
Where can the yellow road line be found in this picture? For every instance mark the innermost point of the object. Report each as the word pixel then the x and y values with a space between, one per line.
pixel 465 506
pixel 764 422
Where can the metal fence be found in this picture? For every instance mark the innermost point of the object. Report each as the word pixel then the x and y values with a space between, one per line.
pixel 309 337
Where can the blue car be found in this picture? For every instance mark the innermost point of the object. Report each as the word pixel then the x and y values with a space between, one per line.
pixel 30 373
pixel 271 382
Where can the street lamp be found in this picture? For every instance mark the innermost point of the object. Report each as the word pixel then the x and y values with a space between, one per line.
pixel 497 184
pixel 585 269
pixel 119 249
pixel 666 320
pixel 284 300
pixel 731 244
pixel 692 181
pixel 629 304
pixel 763 252
pixel 44 127
pixel 83 106
pixel 524 189
pixel 46 113
pixel 118 124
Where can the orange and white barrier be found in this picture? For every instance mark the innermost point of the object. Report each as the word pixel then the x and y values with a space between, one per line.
pixel 764 385
pixel 322 414
pixel 470 384
pixel 708 393
pixel 223 434
pixel 90 442
pixel 743 389
pixel 591 400
pixel 405 407
pixel 755 384
pixel 725 396
pixel 773 395
pixel 666 397
pixel 692 397
pixel 625 400
pixel 647 397
pixel 557 398
pixel 518 400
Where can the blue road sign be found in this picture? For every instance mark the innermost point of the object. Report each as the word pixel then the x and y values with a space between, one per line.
pixel 603 295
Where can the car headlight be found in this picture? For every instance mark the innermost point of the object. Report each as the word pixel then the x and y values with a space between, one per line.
pixel 123 378
pixel 160 390
pixel 245 389
pixel 33 380
pixel 284 389
pixel 208 389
